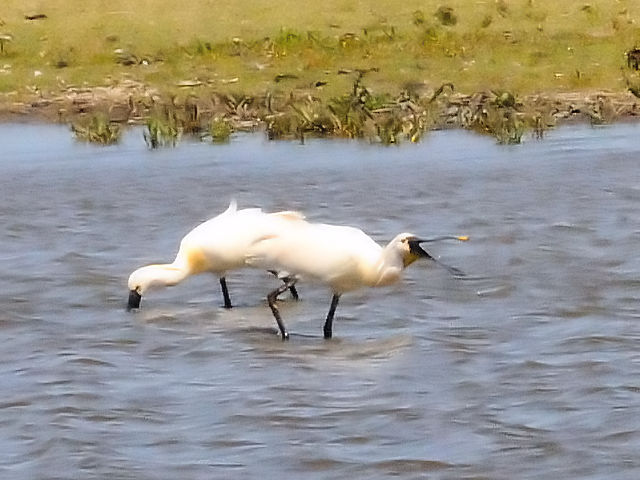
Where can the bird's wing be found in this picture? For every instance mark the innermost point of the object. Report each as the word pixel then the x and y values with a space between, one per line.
pixel 289 215
pixel 324 253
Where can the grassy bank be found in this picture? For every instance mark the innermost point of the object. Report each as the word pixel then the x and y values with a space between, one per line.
pixel 217 50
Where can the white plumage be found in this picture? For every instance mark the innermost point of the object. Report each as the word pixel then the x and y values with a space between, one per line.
pixel 342 257
pixel 216 246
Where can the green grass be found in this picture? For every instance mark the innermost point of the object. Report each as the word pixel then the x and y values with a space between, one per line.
pixel 527 45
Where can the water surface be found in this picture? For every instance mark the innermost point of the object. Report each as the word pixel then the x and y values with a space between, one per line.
pixel 529 368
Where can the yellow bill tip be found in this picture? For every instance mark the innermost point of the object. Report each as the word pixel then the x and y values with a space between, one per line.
pixel 463 238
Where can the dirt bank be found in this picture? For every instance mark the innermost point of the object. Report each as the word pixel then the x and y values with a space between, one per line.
pixel 422 109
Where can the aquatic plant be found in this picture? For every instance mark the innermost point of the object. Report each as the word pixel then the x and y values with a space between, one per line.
pixel 504 125
pixel 237 104
pixel 408 116
pixel 301 117
pixel 97 130
pixel 540 120
pixel 389 128
pixel 356 114
pixel 162 128
pixel 220 130
pixel 602 112
pixel 350 111
pixel 279 126
pixel 189 117
pixel 507 127
pixel 312 117
pixel 498 116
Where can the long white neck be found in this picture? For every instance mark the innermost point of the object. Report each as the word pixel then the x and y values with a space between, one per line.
pixel 153 277
pixel 169 274
pixel 388 268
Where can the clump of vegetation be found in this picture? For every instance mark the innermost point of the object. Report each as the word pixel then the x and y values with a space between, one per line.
pixel 97 130
pixel 190 121
pixel 357 114
pixel 301 118
pixel 348 115
pixel 602 112
pixel 498 115
pixel 446 16
pixel 5 38
pixel 311 117
pixel 633 58
pixel 407 117
pixel 486 21
pixel 634 87
pixel 418 18
pixel 162 128
pixel 390 127
pixel 220 130
pixel 540 119
pixel 280 126
pixel 505 125
pixel 350 112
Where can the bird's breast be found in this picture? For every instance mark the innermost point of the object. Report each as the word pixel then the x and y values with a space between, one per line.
pixel 197 261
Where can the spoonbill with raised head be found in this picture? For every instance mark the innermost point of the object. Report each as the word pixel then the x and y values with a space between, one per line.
pixel 342 257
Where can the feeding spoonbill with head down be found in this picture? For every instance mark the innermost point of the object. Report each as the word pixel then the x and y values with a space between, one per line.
pixel 342 257
pixel 216 246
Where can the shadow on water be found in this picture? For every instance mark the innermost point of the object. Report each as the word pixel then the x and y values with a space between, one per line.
pixel 526 368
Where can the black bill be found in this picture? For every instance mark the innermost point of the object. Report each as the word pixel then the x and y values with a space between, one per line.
pixel 134 300
pixel 416 249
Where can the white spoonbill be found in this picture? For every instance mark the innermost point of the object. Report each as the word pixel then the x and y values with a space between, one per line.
pixel 216 246
pixel 344 258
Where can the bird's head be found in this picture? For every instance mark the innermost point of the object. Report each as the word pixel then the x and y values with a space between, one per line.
pixel 141 281
pixel 408 245
pixel 409 248
pixel 138 284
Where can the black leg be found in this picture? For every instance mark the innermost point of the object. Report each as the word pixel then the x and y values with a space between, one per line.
pixel 292 288
pixel 225 292
pixel 328 324
pixel 272 297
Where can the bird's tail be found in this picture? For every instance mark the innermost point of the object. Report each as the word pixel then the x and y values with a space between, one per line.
pixel 233 206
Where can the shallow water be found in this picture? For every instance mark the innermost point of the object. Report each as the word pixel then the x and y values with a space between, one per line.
pixel 529 368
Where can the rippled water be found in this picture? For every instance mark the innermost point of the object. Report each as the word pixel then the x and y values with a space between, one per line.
pixel 529 368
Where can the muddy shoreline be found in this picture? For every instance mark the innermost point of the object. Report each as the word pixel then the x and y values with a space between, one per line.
pixel 132 103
